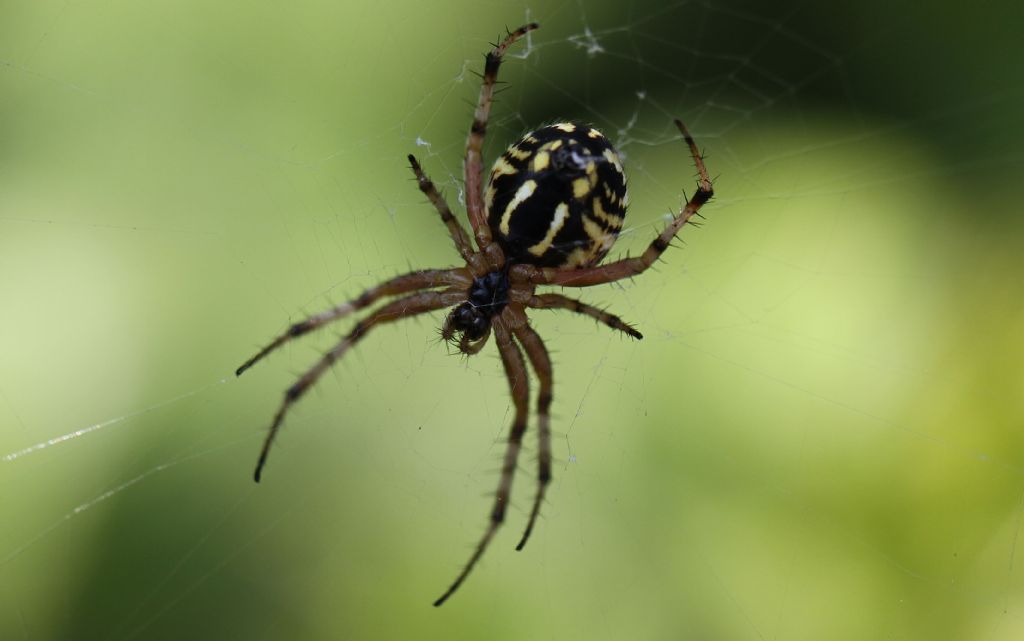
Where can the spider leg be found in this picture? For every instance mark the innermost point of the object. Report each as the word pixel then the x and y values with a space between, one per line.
pixel 515 370
pixel 404 307
pixel 628 267
pixel 541 362
pixel 473 161
pixel 421 279
pixel 458 234
pixel 558 301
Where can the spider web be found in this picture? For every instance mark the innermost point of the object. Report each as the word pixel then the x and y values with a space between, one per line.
pixel 818 437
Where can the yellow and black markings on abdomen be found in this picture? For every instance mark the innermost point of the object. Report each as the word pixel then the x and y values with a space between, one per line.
pixel 557 197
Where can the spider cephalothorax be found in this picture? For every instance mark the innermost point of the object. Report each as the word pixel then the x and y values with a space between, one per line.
pixel 551 210
pixel 487 296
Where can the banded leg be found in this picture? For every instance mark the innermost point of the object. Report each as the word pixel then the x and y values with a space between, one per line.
pixel 558 301
pixel 422 279
pixel 458 234
pixel 410 305
pixel 541 362
pixel 515 370
pixel 628 267
pixel 473 161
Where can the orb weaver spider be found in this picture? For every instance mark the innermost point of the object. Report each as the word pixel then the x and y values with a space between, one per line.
pixel 551 209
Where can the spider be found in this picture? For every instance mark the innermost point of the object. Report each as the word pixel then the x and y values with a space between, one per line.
pixel 552 208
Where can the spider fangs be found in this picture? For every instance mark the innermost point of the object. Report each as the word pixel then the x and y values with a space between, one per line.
pixel 487 296
pixel 552 208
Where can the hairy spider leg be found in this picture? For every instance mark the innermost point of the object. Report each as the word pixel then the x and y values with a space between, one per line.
pixel 462 242
pixel 473 160
pixel 420 279
pixel 558 301
pixel 541 362
pixel 404 307
pixel 515 370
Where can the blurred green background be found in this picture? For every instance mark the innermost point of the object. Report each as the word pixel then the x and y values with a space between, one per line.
pixel 820 436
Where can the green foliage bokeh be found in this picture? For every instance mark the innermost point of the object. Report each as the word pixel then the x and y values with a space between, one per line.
pixel 818 438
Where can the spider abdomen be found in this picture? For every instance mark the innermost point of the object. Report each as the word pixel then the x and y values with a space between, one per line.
pixel 557 197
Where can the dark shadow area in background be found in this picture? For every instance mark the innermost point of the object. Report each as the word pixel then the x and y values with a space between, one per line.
pixel 924 66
